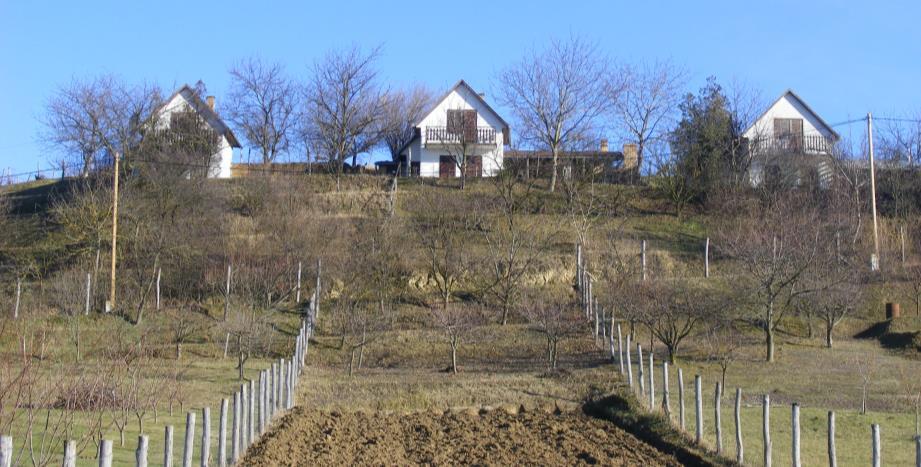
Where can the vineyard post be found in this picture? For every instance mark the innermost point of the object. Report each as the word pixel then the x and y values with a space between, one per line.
pixel 188 446
pixel 140 455
pixel 699 408
pixel 832 455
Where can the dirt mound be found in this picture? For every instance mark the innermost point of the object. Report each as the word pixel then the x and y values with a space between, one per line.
pixel 497 437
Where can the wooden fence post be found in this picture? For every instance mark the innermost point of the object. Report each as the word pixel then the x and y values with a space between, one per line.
pixel 652 383
pixel 251 425
pixel 740 457
pixel 70 454
pixel 235 430
pixel 222 435
pixel 140 455
pixel 6 451
pixel 18 300
pixel 641 375
pixel 579 266
pixel 795 445
pixel 832 455
pixel 620 350
pixel 105 453
pixel 244 412
pixel 262 402
pixel 699 407
pixel 666 404
pixel 917 451
pixel 629 364
pixel 168 446
pixel 643 257
pixel 226 344
pixel 205 436
pixel 766 428
pixel 281 384
pixel 189 445
pixel 877 454
pixel 297 297
pixel 227 294
pixel 681 399
pixel 718 418
pixel 316 308
pixel 159 273
pixel 707 258
pixel 89 290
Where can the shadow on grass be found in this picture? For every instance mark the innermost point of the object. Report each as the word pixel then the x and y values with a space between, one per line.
pixel 652 429
pixel 891 338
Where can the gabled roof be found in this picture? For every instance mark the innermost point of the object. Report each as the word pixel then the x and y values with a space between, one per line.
pixel 789 92
pixel 457 85
pixel 206 112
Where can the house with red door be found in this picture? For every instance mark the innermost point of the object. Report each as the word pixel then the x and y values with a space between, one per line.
pixel 461 131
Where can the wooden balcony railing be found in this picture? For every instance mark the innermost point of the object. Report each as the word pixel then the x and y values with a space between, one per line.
pixel 804 144
pixel 478 135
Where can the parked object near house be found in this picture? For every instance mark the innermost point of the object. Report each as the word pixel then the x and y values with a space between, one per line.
pixel 539 163
pixel 186 100
pixel 790 142
pixel 461 129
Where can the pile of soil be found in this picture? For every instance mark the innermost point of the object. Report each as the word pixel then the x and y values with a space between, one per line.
pixel 495 437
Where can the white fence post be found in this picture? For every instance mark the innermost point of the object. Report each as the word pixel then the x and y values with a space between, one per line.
pixel 740 457
pixel 222 435
pixel 666 404
pixel 251 419
pixel 18 300
pixel 766 428
pixel 652 383
pixel 89 285
pixel 629 364
pixel 297 297
pixel 105 453
pixel 877 454
pixel 641 375
pixel 70 454
pixel 643 257
pixel 189 445
pixel 718 418
pixel 262 402
pixel 699 408
pixel 707 258
pixel 168 446
pixel 205 436
pixel 159 273
pixel 140 455
pixel 795 445
pixel 620 350
pixel 235 429
pixel 832 455
pixel 6 451
pixel 681 399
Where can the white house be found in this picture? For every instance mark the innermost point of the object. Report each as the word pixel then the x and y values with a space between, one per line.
pixel 460 126
pixel 789 137
pixel 186 99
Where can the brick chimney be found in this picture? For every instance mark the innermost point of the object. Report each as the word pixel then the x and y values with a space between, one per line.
pixel 604 145
pixel 630 157
pixel 210 100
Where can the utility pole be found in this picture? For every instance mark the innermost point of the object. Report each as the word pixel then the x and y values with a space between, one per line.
pixel 874 260
pixel 111 304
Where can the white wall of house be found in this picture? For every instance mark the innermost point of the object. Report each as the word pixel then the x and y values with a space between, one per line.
pixel 182 102
pixel 428 155
pixel 787 107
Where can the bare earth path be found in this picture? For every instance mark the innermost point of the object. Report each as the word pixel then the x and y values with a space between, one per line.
pixel 496 437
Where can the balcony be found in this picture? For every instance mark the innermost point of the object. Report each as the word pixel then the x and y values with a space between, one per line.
pixel 440 135
pixel 796 144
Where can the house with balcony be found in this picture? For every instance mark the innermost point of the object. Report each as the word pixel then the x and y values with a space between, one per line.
pixel 460 130
pixel 790 143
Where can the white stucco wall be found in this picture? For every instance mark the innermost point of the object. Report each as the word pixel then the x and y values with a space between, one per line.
pixel 428 155
pixel 181 103
pixel 786 107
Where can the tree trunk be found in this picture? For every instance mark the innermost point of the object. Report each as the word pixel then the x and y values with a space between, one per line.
pixel 769 332
pixel 454 357
pixel 829 327
pixel 553 174
pixel 671 354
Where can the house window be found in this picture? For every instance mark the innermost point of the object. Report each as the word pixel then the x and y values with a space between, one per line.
pixel 789 133
pixel 462 121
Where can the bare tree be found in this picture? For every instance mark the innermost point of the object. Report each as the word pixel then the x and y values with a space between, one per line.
pixel 401 111
pixel 647 106
pixel 344 103
pixel 557 95
pixel 836 302
pixel 456 323
pixel 263 103
pixel 73 120
pixel 556 321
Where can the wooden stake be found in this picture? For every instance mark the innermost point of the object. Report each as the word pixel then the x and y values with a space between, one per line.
pixel 666 404
pixel 652 383
pixel 6 451
pixel 718 418
pixel 629 364
pixel 699 408
pixel 297 297
pixel 205 436
pixel 18 297
pixel 222 435
pixel 235 429
pixel 70 455
pixel 189 446
pixel 114 232
pixel 89 284
pixel 105 453
pixel 740 457
pixel 251 426
pixel 877 454
pixel 620 350
pixel 681 411
pixel 917 451
pixel 795 445
pixel 244 432
pixel 226 344
pixel 766 428
pixel 707 258
pixel 159 273
pixel 168 446
pixel 832 455
pixel 643 257
pixel 641 374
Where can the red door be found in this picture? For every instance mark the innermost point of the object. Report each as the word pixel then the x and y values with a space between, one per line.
pixel 446 167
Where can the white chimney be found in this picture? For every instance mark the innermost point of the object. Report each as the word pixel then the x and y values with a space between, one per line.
pixel 210 100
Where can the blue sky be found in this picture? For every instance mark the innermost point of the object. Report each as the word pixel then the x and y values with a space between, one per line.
pixel 844 58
